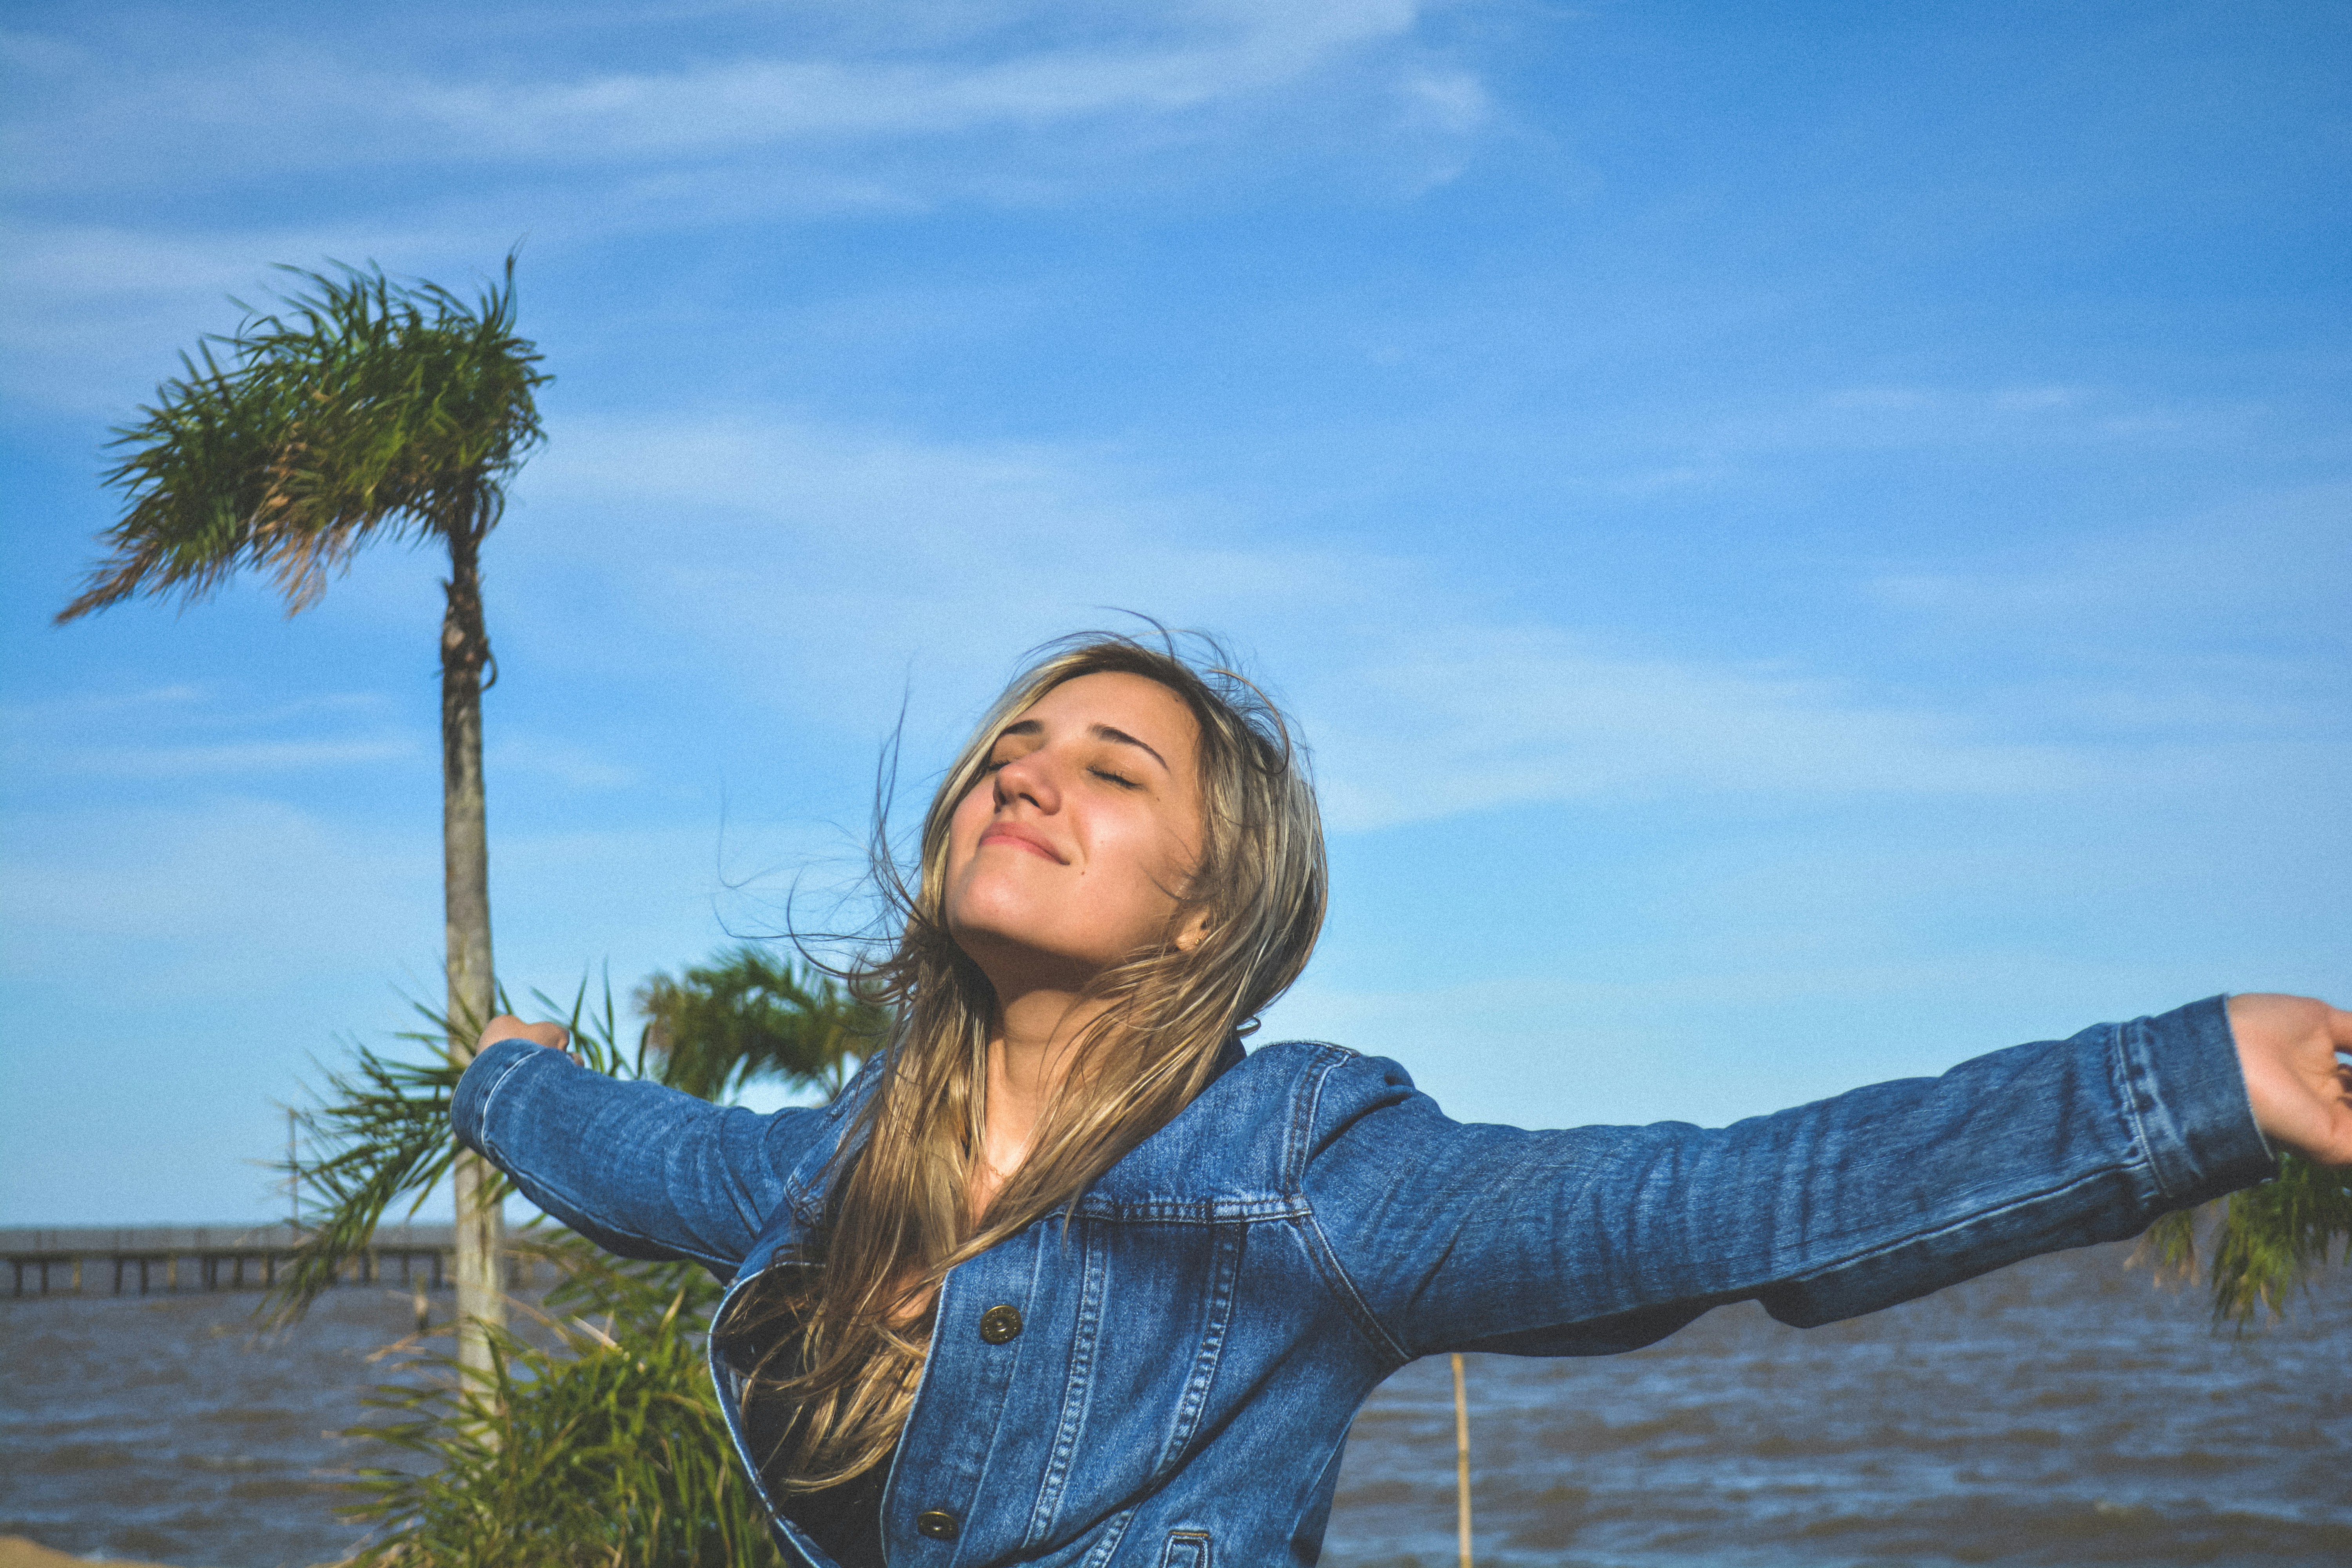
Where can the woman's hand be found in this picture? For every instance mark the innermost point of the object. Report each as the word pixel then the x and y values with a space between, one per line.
pixel 2302 1095
pixel 505 1027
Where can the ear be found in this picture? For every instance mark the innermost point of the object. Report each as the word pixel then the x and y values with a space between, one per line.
pixel 1191 930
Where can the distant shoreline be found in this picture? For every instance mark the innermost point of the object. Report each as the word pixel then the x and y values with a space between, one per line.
pixel 22 1551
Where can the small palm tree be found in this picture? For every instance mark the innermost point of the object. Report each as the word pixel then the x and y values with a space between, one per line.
pixel 361 410
pixel 746 1014
pixel 608 1446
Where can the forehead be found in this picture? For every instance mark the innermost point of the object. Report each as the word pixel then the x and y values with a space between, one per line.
pixel 1133 703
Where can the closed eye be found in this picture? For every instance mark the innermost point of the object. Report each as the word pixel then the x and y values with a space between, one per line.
pixel 1120 779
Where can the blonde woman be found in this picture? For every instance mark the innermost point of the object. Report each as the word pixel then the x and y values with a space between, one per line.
pixel 1066 1277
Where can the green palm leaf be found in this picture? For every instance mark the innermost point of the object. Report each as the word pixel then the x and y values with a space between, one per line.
pixel 2263 1246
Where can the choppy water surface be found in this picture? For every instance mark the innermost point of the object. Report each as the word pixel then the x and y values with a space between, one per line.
pixel 161 1427
pixel 2059 1413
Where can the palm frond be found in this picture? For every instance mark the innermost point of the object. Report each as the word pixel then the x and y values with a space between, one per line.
pixel 378 1133
pixel 2261 1246
pixel 360 409
pixel 385 1127
pixel 745 1014
pixel 606 1448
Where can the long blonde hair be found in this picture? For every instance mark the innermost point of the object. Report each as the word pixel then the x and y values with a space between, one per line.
pixel 853 1340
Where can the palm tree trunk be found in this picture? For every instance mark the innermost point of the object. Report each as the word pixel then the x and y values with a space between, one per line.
pixel 465 856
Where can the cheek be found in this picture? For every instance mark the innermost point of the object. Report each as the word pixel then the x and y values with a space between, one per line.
pixel 1152 870
pixel 970 819
pixel 964 828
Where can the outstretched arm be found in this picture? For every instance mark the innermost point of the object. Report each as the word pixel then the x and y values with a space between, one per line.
pixel 1601 1238
pixel 641 1170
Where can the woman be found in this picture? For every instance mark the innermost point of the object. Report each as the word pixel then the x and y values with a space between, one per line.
pixel 1064 1276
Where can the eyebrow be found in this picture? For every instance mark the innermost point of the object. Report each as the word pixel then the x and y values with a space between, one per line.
pixel 1100 732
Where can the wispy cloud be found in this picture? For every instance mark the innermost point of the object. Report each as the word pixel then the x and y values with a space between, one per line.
pixel 231 893
pixel 194 731
pixel 2264 562
pixel 1463 718
pixel 241 757
pixel 227 895
pixel 1894 415
pixel 863 561
pixel 258 103
pixel 100 311
pixel 566 763
pixel 1016 104
pixel 179 695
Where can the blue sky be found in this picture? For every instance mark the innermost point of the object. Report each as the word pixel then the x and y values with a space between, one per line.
pixel 1809 541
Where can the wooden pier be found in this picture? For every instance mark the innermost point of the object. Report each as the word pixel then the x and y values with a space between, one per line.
pixel 85 1262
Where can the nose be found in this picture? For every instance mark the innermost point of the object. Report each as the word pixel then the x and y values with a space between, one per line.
pixel 1036 778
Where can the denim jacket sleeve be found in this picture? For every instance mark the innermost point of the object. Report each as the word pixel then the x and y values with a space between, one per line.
pixel 1604 1238
pixel 640 1170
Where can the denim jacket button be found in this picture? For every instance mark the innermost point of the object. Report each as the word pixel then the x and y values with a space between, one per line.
pixel 937 1523
pixel 999 1324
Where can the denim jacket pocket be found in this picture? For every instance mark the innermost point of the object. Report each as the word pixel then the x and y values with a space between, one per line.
pixel 1186 1548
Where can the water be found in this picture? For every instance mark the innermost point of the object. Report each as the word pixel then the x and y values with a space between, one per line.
pixel 2059 1413
pixel 161 1427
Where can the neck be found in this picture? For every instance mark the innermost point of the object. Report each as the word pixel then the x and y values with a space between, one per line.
pixel 1029 1057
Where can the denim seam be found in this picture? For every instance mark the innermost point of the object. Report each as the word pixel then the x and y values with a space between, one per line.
pixel 2135 1088
pixel 1191 1211
pixel 1977 1217
pixel 1022 1355
pixel 1307 1106
pixel 1195 1398
pixel 730 1406
pixel 1114 1531
pixel 1077 1393
pixel 898 1450
pixel 708 1259
pixel 1351 1300
pixel 482 1118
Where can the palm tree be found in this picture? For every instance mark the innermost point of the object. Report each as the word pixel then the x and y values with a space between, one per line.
pixel 607 1445
pixel 362 410
pixel 745 1014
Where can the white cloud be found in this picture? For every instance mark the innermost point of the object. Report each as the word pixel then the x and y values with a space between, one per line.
pixel 871 565
pixel 225 897
pixel 1461 718
pixel 192 730
pixel 187 732
pixel 2276 561
pixel 89 704
pixel 100 312
pixel 567 763
pixel 237 757
pixel 261 102
pixel 1015 105
pixel 1453 101
pixel 1892 416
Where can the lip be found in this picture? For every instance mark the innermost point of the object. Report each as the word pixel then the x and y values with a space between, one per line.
pixel 1021 838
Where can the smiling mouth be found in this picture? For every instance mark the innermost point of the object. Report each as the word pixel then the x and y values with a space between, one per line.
pixel 1013 837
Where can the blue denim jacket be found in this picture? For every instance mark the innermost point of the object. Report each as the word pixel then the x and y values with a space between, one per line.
pixel 1180 1363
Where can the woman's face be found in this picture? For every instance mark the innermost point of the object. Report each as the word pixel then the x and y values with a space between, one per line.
pixel 1069 854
